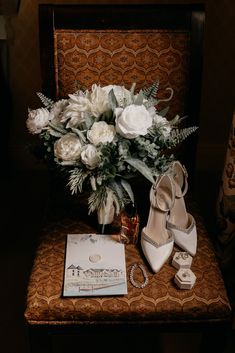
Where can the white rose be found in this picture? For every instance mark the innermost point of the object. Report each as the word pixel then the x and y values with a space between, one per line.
pixel 68 148
pixel 133 121
pixel 163 125
pixel 37 120
pixel 101 132
pixel 89 156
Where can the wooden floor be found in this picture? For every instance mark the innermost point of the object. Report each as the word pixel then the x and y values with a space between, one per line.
pixel 23 197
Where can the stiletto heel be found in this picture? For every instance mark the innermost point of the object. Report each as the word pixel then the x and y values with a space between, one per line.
pixel 156 240
pixel 180 222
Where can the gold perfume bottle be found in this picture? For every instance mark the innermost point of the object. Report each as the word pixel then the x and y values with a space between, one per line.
pixel 129 230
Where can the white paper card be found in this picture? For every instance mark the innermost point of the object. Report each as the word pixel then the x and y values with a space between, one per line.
pixel 94 266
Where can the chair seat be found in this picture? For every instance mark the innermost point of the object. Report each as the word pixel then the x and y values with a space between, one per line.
pixel 161 301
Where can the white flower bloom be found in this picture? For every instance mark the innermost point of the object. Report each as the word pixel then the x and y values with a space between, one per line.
pixel 121 93
pixel 75 112
pixel 85 104
pixel 68 147
pixel 163 124
pixel 89 156
pixel 74 116
pixel 133 121
pixel 123 125
pixel 37 120
pixel 99 101
pixel 101 132
pixel 57 109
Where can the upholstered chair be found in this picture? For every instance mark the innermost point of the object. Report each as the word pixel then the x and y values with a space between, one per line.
pixel 111 44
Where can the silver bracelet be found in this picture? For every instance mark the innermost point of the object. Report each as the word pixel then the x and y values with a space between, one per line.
pixel 133 282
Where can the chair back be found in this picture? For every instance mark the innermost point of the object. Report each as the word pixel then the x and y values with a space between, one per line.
pixel 121 44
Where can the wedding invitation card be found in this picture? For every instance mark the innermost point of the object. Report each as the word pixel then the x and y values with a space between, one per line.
pixel 94 266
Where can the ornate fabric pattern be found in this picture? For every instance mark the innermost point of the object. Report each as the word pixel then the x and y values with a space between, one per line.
pixel 122 57
pixel 159 301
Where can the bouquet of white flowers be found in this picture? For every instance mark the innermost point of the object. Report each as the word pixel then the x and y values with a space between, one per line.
pixel 104 136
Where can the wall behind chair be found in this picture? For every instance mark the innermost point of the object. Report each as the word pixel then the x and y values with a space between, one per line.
pixel 218 94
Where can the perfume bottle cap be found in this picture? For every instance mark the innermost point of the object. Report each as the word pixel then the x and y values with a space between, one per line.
pixel 130 210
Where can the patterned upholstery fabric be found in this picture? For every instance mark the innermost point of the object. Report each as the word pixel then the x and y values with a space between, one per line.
pixel 122 57
pixel 160 301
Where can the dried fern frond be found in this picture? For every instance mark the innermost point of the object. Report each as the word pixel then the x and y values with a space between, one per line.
pixel 177 136
pixel 151 91
pixel 47 102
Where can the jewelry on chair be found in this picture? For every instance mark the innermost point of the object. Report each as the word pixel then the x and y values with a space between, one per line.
pixel 133 282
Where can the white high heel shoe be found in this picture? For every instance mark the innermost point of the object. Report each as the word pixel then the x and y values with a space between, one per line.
pixel 180 222
pixel 156 240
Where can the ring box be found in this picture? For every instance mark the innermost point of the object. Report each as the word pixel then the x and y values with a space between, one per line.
pixel 182 259
pixel 185 278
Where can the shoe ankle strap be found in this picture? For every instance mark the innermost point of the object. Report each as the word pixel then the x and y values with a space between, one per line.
pixel 162 193
pixel 185 178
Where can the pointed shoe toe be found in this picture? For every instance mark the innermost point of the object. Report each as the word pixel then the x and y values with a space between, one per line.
pixel 156 254
pixel 186 238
